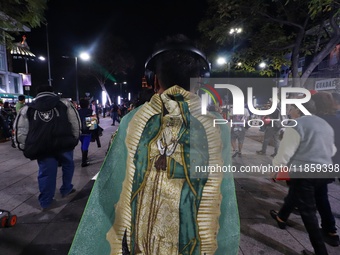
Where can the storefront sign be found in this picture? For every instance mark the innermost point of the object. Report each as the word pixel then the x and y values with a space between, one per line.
pixel 326 84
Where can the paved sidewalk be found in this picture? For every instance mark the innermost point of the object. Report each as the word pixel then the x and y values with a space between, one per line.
pixel 38 232
pixel 51 233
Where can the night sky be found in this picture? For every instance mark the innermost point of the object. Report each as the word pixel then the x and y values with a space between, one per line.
pixel 75 25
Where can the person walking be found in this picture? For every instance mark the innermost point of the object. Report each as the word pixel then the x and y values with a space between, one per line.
pixel 310 142
pixel 20 103
pixel 88 120
pixel 148 184
pixel 8 114
pixel 114 113
pixel 48 130
pixel 95 110
pixel 271 132
pixel 324 103
pixel 336 99
pixel 238 132
pixel 6 133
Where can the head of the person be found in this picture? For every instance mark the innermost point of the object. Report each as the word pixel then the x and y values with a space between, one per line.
pixel 84 103
pixel 336 99
pixel 324 103
pixel 294 112
pixel 21 98
pixel 44 88
pixel 175 61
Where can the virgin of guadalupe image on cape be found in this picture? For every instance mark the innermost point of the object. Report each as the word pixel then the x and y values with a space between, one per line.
pixel 148 199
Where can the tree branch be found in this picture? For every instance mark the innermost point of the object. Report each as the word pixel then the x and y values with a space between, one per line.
pixel 283 22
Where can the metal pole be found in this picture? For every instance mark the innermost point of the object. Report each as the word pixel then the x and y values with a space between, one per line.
pixel 234 42
pixel 77 92
pixel 26 66
pixel 48 57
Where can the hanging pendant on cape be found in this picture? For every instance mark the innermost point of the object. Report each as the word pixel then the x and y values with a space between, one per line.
pixel 160 163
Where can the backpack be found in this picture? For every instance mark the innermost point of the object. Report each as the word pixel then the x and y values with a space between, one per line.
pixel 49 133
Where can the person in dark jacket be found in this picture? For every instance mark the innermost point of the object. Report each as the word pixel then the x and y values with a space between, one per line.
pixel 86 118
pixel 51 142
pixel 271 131
pixel 3 121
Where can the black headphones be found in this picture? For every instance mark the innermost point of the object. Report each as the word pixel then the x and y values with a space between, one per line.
pixel 150 62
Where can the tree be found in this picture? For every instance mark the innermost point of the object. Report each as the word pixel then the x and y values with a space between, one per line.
pixel 16 14
pixel 274 28
pixel 110 58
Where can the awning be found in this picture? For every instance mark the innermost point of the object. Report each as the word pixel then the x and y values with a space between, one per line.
pixel 21 50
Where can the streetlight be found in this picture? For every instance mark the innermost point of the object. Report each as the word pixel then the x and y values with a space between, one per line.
pixel 84 56
pixel 221 61
pixel 120 86
pixel 262 65
pixel 234 32
pixel 42 58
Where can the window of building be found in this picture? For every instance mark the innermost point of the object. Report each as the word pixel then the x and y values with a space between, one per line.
pixel 16 84
pixel 2 84
pixel 2 62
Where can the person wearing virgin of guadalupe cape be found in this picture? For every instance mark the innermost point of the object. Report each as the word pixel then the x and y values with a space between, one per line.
pixel 148 199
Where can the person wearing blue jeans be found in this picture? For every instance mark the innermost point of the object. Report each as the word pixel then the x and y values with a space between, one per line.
pixel 85 140
pixel 86 118
pixel 48 130
pixel 48 168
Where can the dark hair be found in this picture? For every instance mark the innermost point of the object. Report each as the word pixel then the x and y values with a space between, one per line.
pixel 324 103
pixel 84 103
pixel 176 67
pixel 21 98
pixel 44 88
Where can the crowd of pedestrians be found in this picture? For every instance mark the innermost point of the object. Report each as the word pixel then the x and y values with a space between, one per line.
pixel 8 112
pixel 315 140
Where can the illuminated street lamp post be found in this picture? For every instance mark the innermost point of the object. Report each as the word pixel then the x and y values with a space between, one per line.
pixel 84 56
pixel 221 61
pixel 262 65
pixel 120 87
pixel 234 32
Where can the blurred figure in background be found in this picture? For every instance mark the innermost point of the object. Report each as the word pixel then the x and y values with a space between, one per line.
pixel 310 142
pixel 336 98
pixel 87 119
pixel 20 103
pixel 114 113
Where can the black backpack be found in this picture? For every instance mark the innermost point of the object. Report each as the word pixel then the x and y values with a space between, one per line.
pixel 50 132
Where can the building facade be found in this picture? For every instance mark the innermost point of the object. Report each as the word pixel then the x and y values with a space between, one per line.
pixel 10 82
